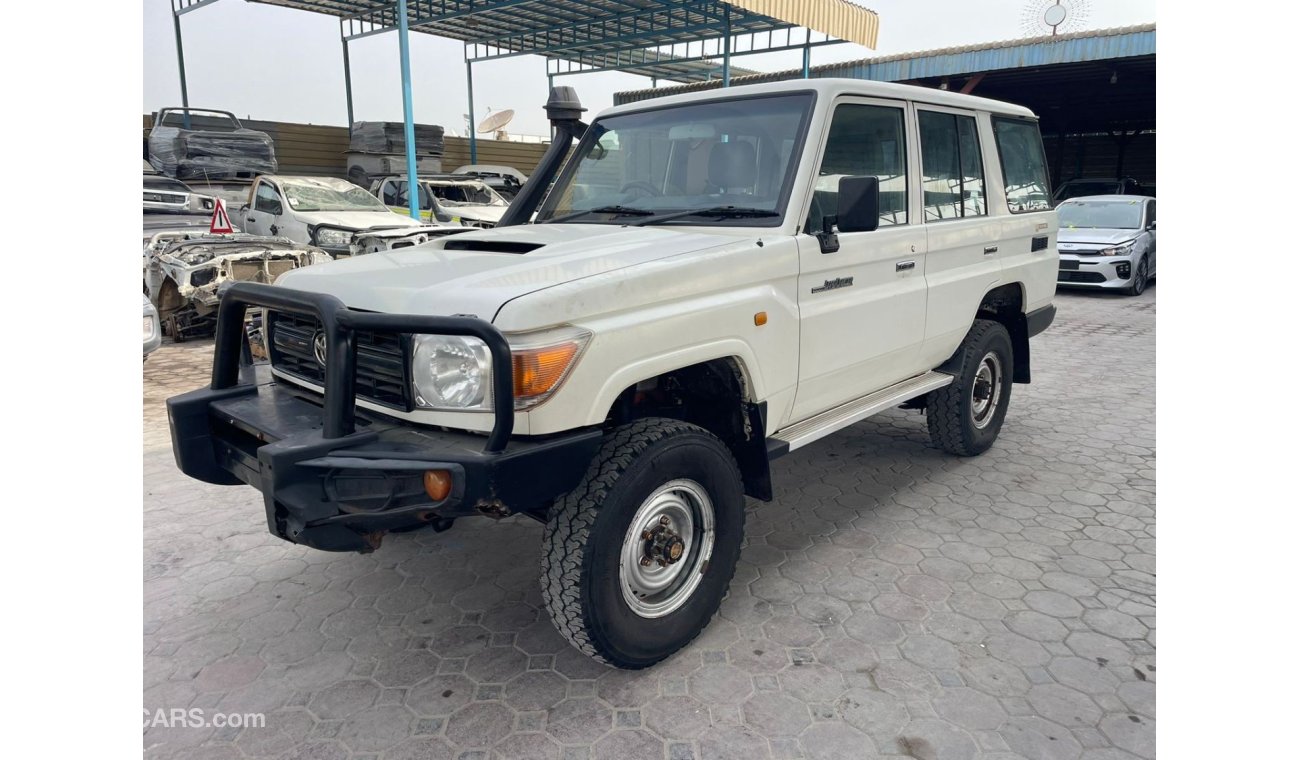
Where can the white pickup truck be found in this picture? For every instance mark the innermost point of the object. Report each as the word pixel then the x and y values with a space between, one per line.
pixel 331 214
pixel 712 280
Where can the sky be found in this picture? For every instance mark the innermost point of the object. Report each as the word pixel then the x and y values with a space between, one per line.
pixel 265 62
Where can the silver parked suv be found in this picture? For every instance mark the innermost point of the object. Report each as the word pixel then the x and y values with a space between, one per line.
pixel 1108 242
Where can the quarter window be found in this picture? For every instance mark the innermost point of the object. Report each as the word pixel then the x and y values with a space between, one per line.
pixel 952 168
pixel 1024 170
pixel 864 140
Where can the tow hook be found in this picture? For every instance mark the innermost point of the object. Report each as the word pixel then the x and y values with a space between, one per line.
pixel 494 509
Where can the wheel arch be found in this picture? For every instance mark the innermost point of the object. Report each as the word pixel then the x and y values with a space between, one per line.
pixel 1005 304
pixel 719 395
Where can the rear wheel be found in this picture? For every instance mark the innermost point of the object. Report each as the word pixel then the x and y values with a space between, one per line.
pixel 966 416
pixel 638 557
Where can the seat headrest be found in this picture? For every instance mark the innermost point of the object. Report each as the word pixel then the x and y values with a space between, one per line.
pixel 731 164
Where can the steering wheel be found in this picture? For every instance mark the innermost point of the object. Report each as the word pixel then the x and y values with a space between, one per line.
pixel 641 184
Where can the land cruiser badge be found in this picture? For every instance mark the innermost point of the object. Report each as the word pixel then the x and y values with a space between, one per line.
pixel 838 282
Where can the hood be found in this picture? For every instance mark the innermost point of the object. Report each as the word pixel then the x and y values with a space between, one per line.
pixel 477 212
pixel 357 220
pixel 1087 237
pixel 477 272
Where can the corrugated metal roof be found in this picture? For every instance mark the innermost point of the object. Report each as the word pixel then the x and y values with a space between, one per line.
pixel 1101 44
pixel 640 35
pixel 837 18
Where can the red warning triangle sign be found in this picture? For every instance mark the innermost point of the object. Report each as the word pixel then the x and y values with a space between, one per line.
pixel 220 221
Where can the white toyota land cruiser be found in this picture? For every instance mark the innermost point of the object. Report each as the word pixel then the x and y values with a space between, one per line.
pixel 710 281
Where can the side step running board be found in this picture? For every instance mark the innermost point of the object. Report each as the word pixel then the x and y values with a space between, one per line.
pixel 803 433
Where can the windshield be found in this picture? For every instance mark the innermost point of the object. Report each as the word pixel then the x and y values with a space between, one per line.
pixel 466 193
pixel 737 152
pixel 1106 215
pixel 1080 189
pixel 326 194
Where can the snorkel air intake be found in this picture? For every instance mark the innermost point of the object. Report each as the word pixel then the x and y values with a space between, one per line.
pixel 565 112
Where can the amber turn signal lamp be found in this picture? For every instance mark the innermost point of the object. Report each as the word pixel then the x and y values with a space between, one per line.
pixel 537 370
pixel 437 483
pixel 760 319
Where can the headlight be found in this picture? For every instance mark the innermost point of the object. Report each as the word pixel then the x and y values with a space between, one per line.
pixel 333 238
pixel 1123 249
pixel 455 373
pixel 451 372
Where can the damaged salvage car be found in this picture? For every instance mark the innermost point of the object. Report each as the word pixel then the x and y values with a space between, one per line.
pixel 332 214
pixel 183 272
pixel 199 142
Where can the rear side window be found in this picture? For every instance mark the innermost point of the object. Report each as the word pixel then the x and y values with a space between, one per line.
pixel 1024 169
pixel 952 170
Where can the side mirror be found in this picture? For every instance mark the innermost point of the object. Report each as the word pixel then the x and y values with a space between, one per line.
pixel 859 204
pixel 1152 225
pixel 274 207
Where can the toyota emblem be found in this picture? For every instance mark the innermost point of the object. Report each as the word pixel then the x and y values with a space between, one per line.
pixel 318 347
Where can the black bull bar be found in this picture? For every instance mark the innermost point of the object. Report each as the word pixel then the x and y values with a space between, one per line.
pixel 339 325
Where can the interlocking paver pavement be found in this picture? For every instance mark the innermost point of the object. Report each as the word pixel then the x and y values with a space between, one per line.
pixel 892 602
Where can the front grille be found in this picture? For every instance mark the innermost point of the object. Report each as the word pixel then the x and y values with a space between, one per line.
pixel 260 270
pixel 381 358
pixel 1080 277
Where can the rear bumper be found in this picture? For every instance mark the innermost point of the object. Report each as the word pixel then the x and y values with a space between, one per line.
pixel 344 493
pixel 1039 320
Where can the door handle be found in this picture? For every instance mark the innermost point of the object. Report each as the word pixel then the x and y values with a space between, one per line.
pixel 249 219
pixel 988 249
pixel 903 266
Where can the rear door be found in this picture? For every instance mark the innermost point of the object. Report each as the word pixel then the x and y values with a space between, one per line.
pixel 962 261
pixel 862 308
pixel 1028 247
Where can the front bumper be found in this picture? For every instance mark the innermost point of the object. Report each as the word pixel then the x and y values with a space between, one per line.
pixel 337 479
pixel 1102 272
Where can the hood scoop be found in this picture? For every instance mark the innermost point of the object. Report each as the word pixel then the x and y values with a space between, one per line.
pixel 489 246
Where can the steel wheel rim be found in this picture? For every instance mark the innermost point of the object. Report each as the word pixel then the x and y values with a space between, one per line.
pixel 654 590
pixel 986 390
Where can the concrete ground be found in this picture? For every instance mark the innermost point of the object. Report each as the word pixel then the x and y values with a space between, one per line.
pixel 893 601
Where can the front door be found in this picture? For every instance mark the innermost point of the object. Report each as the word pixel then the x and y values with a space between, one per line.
pixel 861 308
pixel 264 217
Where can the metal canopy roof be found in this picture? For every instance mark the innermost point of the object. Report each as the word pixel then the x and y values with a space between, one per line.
pixel 1022 60
pixel 667 39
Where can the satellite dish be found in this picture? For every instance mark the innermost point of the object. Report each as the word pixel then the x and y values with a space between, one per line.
pixel 1044 17
pixel 496 122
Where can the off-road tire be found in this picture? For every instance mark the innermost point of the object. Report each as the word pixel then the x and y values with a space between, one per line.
pixel 585 532
pixel 1141 278
pixel 948 410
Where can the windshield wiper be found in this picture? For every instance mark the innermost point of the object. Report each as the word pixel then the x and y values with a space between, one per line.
pixel 722 212
pixel 616 210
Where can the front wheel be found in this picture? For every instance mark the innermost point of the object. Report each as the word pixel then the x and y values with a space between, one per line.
pixel 965 416
pixel 1141 275
pixel 638 557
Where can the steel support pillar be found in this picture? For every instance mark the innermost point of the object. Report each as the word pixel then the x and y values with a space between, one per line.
pixel 347 82
pixel 408 118
pixel 807 59
pixel 180 65
pixel 726 49
pixel 473 126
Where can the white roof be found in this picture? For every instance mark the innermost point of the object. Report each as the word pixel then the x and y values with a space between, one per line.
pixel 830 87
